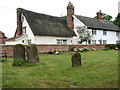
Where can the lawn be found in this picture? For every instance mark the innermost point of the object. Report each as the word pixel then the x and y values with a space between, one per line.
pixel 99 70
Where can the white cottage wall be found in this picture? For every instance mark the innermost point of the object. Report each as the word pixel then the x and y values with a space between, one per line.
pixel 28 30
pixel 51 40
pixel 20 41
pixel 110 37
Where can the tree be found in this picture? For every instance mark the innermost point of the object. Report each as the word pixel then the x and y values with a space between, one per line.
pixel 84 35
pixel 117 20
pixel 105 17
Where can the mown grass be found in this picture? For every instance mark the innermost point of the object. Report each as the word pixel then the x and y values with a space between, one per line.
pixel 99 70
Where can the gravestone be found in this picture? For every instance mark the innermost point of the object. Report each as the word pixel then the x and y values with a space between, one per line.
pixel 71 49
pixel 18 53
pixel 76 60
pixel 32 54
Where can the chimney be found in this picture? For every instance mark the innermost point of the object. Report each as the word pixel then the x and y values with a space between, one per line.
pixel 99 15
pixel 70 12
pixel 19 22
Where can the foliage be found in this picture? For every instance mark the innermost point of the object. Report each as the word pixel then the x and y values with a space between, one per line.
pixel 64 16
pixel 55 71
pixel 117 20
pixel 105 17
pixel 112 46
pixel 84 35
pixel 18 63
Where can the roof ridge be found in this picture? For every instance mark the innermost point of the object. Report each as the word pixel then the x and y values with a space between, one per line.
pixel 25 10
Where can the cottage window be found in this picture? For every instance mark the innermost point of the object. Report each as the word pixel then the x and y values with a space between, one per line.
pixel 93 41
pixel 61 41
pixel 64 41
pixel 104 32
pixel 94 32
pixel 104 41
pixel 117 42
pixel 24 30
pixel 29 41
pixel 117 34
pixel 23 41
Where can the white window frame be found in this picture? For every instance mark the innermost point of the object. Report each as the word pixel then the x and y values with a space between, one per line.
pixel 94 32
pixel 29 41
pixel 62 41
pixel 104 41
pixel 93 41
pixel 117 34
pixel 118 42
pixel 23 41
pixel 104 32
pixel 24 30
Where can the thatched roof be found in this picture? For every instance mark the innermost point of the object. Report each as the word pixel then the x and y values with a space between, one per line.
pixel 97 24
pixel 46 25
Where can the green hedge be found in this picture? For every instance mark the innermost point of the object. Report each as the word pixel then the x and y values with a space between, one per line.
pixel 112 46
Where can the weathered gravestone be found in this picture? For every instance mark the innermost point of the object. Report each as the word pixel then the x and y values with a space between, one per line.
pixel 32 54
pixel 76 60
pixel 71 49
pixel 18 53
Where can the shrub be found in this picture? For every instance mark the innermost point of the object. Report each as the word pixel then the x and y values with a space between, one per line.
pixel 112 46
pixel 18 63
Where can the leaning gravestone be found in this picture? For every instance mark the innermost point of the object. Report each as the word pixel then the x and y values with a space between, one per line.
pixel 76 60
pixel 32 54
pixel 19 53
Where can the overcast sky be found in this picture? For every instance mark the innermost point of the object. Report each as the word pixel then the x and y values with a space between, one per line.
pixel 52 7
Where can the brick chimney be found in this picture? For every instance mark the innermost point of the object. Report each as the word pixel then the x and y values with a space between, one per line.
pixel 19 22
pixel 70 12
pixel 99 15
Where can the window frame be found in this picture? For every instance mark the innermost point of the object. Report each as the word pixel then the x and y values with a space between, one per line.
pixel 61 41
pixel 29 41
pixel 117 34
pixel 23 41
pixel 104 41
pixel 94 32
pixel 93 41
pixel 104 32
pixel 24 30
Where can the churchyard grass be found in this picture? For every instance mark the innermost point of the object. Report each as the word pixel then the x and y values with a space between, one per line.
pixel 99 70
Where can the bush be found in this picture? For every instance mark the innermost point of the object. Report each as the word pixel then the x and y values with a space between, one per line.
pixel 18 63
pixel 112 46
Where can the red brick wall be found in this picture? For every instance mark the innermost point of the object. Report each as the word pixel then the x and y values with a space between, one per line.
pixel 49 48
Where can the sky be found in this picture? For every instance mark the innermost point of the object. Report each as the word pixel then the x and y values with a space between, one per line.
pixel 52 7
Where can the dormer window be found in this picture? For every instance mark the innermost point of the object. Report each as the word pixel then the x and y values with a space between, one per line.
pixel 23 30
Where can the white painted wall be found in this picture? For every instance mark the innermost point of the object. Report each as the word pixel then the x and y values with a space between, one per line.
pixel 50 40
pixel 29 32
pixel 17 41
pixel 110 37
